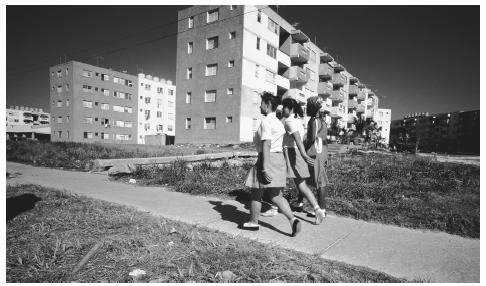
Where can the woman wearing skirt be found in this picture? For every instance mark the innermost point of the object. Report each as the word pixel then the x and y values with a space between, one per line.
pixel 268 176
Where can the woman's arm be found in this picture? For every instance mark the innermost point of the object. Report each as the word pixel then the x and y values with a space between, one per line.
pixel 266 159
pixel 311 132
pixel 300 146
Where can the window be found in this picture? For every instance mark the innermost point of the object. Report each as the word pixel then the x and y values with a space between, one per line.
pixel 170 104
pixel 96 89
pixel 272 26
pixel 231 64
pixel 189 47
pixel 188 123
pixel 67 87
pixel 88 120
pixel 258 43
pixel 59 73
pixel 59 119
pixel 105 135
pixel 127 109
pixel 210 96
pixel 60 133
pixel 229 119
pixel 270 76
pixel 210 123
pixel 147 100
pixel 160 90
pixel 88 135
pixel 271 51
pixel 148 87
pixel 170 127
pixel 232 35
pixel 123 136
pixel 159 127
pixel 87 73
pixel 119 123
pixel 87 88
pixel 87 104
pixel 67 72
pixel 128 124
pixel 229 91
pixel 105 91
pixel 67 119
pixel 190 22
pixel 259 16
pixel 147 126
pixel 189 73
pixel 170 116
pixel 211 69
pixel 212 16
pixel 105 122
pixel 59 88
pixel 52 73
pixel 67 102
pixel 212 43
pixel 147 114
pixel 105 106
pixel 257 68
pixel 233 7
pixel 254 125
pixel 105 77
pixel 159 103
pixel 188 97
pixel 159 114
pixel 118 108
pixel 59 103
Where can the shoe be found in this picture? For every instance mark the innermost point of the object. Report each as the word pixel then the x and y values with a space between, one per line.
pixel 298 208
pixel 296 226
pixel 250 226
pixel 320 215
pixel 311 214
pixel 269 213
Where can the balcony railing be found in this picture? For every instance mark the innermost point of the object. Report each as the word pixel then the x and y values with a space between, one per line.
pixel 323 89
pixel 325 72
pixel 282 82
pixel 360 108
pixel 338 80
pixel 299 36
pixel 353 90
pixel 361 95
pixel 351 118
pixel 299 54
pixel 298 74
pixel 296 94
pixel 338 67
pixel 337 96
pixel 336 112
pixel 352 104
pixel 326 58
pixel 353 80
pixel 369 102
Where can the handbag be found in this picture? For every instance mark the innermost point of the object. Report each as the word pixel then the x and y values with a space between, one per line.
pixel 315 148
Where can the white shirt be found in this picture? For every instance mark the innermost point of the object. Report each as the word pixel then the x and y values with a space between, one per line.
pixel 291 126
pixel 270 129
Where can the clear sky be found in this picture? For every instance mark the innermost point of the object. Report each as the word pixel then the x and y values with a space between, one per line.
pixel 416 58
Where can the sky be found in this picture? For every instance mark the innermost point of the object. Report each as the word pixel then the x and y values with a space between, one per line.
pixel 416 58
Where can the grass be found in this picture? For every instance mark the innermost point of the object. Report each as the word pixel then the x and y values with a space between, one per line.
pixel 403 190
pixel 45 244
pixel 79 156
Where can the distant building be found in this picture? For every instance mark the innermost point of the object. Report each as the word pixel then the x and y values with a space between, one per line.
pixel 95 104
pixel 26 116
pixel 382 117
pixel 453 132
pixel 156 103
pixel 227 55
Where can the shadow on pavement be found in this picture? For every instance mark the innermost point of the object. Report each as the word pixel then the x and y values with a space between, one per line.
pixel 232 214
pixel 20 204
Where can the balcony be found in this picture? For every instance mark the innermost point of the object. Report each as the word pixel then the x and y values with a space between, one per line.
pixel 361 95
pixel 325 72
pixel 296 94
pixel 299 54
pixel 369 102
pixel 299 36
pixel 336 96
pixel 326 106
pixel 353 80
pixel 338 80
pixel 335 112
pixel 361 85
pixel 368 114
pixel 323 89
pixel 360 108
pixel 353 90
pixel 326 58
pixel 283 59
pixel 282 82
pixel 352 104
pixel 351 118
pixel 338 68
pixel 298 75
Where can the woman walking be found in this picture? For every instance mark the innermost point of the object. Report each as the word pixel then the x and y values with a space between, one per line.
pixel 269 173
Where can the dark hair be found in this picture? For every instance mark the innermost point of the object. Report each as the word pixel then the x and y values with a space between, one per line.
pixel 267 97
pixel 291 103
pixel 313 106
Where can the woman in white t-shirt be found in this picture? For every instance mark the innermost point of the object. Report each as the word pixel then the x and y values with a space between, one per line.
pixel 269 173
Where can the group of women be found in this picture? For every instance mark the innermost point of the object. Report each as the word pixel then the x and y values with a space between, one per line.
pixel 283 153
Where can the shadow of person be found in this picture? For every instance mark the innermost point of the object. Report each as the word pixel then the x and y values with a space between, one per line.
pixel 20 204
pixel 232 214
pixel 243 196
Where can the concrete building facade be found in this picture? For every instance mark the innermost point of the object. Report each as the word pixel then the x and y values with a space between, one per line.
pixel 227 55
pixel 156 107
pixel 92 104
pixel 382 117
pixel 21 115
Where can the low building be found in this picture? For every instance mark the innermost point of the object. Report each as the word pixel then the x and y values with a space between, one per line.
pixel 20 115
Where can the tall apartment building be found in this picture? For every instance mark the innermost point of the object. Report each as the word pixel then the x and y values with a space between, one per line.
pixel 228 55
pixel 26 116
pixel 382 117
pixel 92 104
pixel 156 104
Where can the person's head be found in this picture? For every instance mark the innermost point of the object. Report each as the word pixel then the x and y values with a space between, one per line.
pixel 291 106
pixel 313 106
pixel 269 103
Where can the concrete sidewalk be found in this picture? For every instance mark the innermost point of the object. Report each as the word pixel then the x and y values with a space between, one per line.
pixel 400 252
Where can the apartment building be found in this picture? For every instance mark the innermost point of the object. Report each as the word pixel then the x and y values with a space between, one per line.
pixel 156 104
pixel 92 104
pixel 26 116
pixel 228 55
pixel 382 117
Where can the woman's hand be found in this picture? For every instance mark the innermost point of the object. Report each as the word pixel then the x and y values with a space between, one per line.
pixel 266 176
pixel 309 160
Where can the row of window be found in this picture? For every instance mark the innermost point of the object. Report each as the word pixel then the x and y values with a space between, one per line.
pixel 59 73
pixel 170 104
pixel 170 115
pixel 105 77
pixel 160 90
pixel 211 16
pixel 271 50
pixel 209 95
pixel 106 92
pixel 209 123
pixel 106 106
pixel 211 69
pixel 211 43
pixel 104 136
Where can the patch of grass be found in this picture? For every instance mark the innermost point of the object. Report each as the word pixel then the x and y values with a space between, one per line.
pixel 78 156
pixel 47 242
pixel 403 190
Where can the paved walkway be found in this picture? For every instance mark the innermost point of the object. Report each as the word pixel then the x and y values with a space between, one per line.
pixel 400 252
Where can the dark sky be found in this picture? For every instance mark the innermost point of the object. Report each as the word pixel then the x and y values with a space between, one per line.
pixel 416 58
